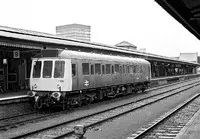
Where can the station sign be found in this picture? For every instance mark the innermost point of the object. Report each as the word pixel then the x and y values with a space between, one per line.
pixel 16 54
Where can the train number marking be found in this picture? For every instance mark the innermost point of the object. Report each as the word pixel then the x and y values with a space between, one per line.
pixel 86 83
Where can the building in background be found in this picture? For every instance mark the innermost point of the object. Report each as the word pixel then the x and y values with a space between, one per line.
pixel 74 31
pixel 126 45
pixel 191 57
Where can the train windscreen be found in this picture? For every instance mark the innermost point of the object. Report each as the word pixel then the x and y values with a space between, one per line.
pixel 47 69
pixel 59 69
pixel 37 69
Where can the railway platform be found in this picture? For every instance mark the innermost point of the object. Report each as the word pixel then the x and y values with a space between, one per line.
pixel 10 97
pixel 192 128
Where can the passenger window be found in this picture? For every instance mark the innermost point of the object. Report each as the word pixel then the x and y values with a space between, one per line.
pixel 59 69
pixel 128 69
pixel 120 69
pixel 73 69
pixel 131 69
pixel 47 69
pixel 103 69
pixel 97 68
pixel 108 68
pixel 116 68
pixel 137 68
pixel 85 68
pixel 123 69
pixel 134 69
pixel 112 69
pixel 92 69
pixel 141 69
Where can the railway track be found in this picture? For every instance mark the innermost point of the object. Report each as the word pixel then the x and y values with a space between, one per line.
pixel 2 118
pixel 170 124
pixel 30 117
pixel 63 129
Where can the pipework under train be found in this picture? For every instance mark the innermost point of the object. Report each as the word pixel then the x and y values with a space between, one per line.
pixel 72 78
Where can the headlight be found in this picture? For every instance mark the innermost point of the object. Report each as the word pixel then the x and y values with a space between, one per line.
pixel 56 95
pixel 31 93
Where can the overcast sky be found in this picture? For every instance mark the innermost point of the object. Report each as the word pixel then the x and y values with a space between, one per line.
pixel 141 22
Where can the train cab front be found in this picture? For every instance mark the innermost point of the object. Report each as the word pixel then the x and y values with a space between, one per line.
pixel 49 80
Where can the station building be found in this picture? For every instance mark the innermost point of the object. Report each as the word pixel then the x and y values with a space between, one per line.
pixel 127 45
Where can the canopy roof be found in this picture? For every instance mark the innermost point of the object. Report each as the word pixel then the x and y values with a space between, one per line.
pixel 187 12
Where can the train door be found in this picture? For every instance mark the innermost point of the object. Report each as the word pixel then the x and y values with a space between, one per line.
pixel 138 72
pixel 117 75
pixel 92 75
pixel 98 75
pixel 108 76
pixel 84 75
pixel 134 77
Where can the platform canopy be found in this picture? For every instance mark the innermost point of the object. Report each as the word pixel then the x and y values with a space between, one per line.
pixel 187 12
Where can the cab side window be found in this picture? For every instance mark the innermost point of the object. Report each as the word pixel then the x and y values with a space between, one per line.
pixel 73 69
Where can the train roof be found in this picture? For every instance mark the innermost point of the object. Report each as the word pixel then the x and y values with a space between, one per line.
pixel 89 56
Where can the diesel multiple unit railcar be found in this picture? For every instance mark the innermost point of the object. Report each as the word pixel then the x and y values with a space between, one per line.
pixel 72 78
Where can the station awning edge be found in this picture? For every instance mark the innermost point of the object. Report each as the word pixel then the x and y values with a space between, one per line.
pixel 186 12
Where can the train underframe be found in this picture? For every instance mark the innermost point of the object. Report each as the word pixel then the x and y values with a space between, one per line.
pixel 68 100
